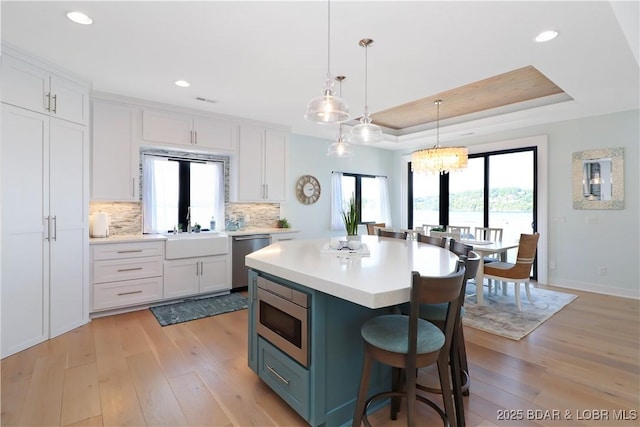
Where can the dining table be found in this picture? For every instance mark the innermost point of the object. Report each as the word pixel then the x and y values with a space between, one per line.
pixel 487 248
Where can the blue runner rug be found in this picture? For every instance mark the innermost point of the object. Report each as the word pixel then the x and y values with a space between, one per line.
pixel 193 309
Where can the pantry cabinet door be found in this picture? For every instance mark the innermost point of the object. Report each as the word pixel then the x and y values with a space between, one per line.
pixel 24 85
pixel 70 100
pixel 24 262
pixel 68 208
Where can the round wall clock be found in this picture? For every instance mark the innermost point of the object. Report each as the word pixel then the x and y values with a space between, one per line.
pixel 307 189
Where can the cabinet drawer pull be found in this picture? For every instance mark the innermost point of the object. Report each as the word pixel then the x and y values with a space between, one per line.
pixel 273 371
pixel 129 269
pixel 130 251
pixel 55 104
pixel 129 293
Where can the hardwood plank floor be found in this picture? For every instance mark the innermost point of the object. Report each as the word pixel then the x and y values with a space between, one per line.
pixel 126 370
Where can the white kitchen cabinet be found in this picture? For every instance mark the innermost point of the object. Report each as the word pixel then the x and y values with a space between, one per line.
pixel 262 165
pixel 28 86
pixel 193 276
pixel 115 160
pixel 196 132
pixel 126 274
pixel 44 227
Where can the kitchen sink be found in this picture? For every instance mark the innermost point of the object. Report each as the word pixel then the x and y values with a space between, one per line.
pixel 190 245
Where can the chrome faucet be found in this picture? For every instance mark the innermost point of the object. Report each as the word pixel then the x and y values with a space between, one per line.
pixel 189 219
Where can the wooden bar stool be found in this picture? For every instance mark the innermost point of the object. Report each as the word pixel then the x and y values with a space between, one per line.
pixel 406 343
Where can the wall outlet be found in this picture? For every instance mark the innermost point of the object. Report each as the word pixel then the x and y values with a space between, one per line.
pixel 602 271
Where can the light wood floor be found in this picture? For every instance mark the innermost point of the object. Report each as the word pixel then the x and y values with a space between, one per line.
pixel 126 370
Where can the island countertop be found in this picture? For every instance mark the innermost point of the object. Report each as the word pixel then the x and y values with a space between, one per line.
pixel 380 279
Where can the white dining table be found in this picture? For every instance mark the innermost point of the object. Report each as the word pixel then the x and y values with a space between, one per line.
pixel 483 249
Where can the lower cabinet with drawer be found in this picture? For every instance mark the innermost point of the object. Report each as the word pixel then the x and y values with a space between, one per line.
pixel 284 376
pixel 126 274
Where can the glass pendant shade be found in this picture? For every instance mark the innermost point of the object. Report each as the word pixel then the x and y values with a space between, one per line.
pixel 340 149
pixel 328 107
pixel 365 132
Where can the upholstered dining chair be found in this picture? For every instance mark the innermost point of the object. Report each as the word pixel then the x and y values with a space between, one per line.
pixel 406 343
pixel 432 240
pixel 517 273
pixel 394 234
pixel 371 227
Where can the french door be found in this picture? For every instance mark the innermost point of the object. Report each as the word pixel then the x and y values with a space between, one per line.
pixel 497 189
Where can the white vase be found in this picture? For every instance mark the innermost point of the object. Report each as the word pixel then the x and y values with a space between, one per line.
pixel 353 237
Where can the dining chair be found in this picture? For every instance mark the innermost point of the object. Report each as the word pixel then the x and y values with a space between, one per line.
pixel 371 227
pixel 459 248
pixel 406 343
pixel 432 240
pixel 491 234
pixel 463 230
pixel 517 273
pixel 394 234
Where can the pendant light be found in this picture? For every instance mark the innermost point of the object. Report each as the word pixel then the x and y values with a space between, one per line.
pixel 340 148
pixel 439 159
pixel 327 108
pixel 365 132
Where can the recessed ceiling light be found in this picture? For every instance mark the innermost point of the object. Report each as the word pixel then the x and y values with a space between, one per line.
pixel 182 83
pixel 545 36
pixel 79 18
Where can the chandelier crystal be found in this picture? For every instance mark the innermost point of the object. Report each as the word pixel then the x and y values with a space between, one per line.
pixel 328 108
pixel 439 159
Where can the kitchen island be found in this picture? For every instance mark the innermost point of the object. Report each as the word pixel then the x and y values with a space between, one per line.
pixel 313 358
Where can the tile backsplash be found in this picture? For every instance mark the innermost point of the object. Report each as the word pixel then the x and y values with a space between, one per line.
pixel 125 218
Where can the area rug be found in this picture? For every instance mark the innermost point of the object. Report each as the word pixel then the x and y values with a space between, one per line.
pixel 193 309
pixel 500 315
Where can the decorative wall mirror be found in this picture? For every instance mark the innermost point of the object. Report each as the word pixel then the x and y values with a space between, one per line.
pixel 598 179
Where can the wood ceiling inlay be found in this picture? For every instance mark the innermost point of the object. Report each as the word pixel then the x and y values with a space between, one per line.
pixel 520 85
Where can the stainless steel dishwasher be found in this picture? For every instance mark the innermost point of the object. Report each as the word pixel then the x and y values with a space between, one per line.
pixel 241 247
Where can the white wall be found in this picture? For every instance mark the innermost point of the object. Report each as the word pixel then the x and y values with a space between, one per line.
pixel 308 156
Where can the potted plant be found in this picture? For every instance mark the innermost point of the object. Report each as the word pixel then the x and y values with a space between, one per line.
pixel 283 223
pixel 350 217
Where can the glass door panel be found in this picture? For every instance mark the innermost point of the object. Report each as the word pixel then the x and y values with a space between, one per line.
pixel 466 195
pixel 426 199
pixel 511 193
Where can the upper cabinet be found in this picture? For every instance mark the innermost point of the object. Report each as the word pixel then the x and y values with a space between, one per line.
pixel 197 132
pixel 114 167
pixel 262 165
pixel 28 86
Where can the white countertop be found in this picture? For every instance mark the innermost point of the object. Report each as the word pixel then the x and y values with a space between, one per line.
pixel 131 238
pixel 380 279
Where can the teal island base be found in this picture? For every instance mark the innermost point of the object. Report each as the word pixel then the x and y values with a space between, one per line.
pixel 324 392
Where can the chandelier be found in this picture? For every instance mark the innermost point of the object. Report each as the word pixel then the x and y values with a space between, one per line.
pixel 439 159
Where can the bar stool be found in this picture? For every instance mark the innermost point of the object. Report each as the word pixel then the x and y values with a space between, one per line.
pixel 393 234
pixel 432 240
pixel 406 343
pixel 437 314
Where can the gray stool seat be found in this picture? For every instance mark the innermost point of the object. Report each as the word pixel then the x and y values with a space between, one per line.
pixel 391 332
